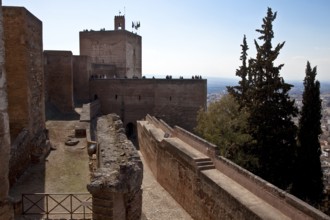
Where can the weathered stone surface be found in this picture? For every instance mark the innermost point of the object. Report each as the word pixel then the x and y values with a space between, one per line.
pixel 24 68
pixel 25 78
pixel 6 210
pixel 118 178
pixel 122 49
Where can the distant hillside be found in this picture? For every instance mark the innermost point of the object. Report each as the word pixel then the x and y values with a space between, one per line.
pixel 218 85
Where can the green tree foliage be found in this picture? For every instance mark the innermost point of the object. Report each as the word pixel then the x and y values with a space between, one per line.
pixel 272 111
pixel 240 91
pixel 225 125
pixel 308 184
pixel 265 95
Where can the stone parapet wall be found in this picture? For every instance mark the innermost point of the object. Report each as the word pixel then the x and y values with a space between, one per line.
pixel 287 203
pixel 221 190
pixel 116 182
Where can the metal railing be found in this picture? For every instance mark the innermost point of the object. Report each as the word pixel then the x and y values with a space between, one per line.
pixel 58 205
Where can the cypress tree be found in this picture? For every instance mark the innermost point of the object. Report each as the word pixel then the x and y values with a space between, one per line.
pixel 239 92
pixel 308 184
pixel 271 110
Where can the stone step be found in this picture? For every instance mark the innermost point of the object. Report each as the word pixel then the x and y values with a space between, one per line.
pixel 206 167
pixel 202 159
pixel 203 163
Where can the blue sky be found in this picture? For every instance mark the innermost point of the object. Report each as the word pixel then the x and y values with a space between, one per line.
pixel 195 37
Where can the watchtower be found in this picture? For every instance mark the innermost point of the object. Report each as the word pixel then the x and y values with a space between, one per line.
pixel 120 22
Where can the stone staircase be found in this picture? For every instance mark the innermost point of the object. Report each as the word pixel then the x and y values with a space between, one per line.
pixel 204 164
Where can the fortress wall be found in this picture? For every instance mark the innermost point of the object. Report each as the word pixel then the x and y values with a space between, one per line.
pixel 23 42
pixel 174 168
pixel 81 73
pixel 59 79
pixel 174 101
pixel 128 98
pixel 177 101
pixel 6 211
pixel 26 105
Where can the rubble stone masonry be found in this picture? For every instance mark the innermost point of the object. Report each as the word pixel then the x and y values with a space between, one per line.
pixel 5 207
pixel 116 182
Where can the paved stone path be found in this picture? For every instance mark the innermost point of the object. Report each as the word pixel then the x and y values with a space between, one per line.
pixel 65 170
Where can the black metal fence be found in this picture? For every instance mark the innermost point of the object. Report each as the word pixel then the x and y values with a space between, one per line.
pixel 58 205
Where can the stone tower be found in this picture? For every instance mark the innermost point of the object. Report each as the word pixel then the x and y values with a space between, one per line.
pixel 114 53
pixel 120 22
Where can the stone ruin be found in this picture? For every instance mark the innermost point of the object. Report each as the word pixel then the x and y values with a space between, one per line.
pixel 117 176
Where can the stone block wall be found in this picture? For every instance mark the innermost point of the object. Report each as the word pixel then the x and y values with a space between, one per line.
pixel 82 71
pixel 26 103
pixel 6 211
pixel 220 190
pixel 116 182
pixel 58 67
pixel 119 48
pixel 175 101
pixel 24 67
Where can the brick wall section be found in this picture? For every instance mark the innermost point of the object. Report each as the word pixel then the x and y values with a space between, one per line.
pixel 116 183
pixel 58 67
pixel 120 48
pixel 24 67
pixel 223 191
pixel 6 211
pixel 81 73
pixel 175 101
